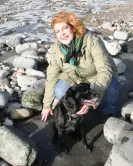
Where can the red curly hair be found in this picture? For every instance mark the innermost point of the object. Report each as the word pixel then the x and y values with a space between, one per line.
pixel 71 19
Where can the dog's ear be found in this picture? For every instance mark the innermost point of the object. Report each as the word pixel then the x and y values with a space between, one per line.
pixel 69 101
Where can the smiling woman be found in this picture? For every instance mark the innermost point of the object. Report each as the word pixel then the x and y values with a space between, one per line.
pixel 64 33
pixel 79 57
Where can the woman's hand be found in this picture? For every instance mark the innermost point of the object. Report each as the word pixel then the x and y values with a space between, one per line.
pixel 45 113
pixel 86 105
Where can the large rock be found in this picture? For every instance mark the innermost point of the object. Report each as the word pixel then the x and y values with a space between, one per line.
pixel 24 62
pixel 121 35
pixel 3 99
pixel 3 73
pixel 112 46
pixel 127 109
pixel 37 87
pixel 21 113
pixel 31 54
pixel 32 100
pixel 121 67
pixel 25 80
pixel 122 151
pixel 35 73
pixel 113 129
pixel 27 46
pixel 33 97
pixel 16 148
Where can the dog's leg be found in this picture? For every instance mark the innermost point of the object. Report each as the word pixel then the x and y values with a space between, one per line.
pixel 62 138
pixel 85 144
pixel 56 136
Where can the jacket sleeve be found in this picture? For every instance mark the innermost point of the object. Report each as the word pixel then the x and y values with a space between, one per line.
pixel 102 64
pixel 53 72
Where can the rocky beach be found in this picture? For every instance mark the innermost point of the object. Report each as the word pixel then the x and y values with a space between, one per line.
pixel 25 39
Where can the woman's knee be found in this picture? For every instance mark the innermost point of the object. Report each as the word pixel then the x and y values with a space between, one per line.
pixel 108 102
pixel 112 92
pixel 60 88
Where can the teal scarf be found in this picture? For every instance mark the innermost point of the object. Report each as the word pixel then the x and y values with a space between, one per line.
pixel 71 53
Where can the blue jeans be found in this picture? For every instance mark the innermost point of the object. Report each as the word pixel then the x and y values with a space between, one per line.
pixel 108 102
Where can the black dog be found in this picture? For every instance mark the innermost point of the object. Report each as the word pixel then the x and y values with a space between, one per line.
pixel 66 121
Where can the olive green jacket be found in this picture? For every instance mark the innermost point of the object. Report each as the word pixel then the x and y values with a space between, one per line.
pixel 95 66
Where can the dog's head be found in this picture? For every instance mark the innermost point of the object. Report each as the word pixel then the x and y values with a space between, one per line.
pixel 76 95
pixel 73 100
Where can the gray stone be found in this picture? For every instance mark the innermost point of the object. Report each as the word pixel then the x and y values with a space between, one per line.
pixel 4 67
pixel 4 81
pixel 121 67
pixel 8 122
pixel 127 109
pixel 12 143
pixel 114 127
pixel 122 151
pixel 32 100
pixel 121 42
pixel 9 90
pixel 25 80
pixel 12 106
pixel 24 88
pixel 121 35
pixel 24 62
pixel 21 113
pixel 30 54
pixel 3 73
pixel 130 94
pixel 3 99
pixel 27 46
pixel 9 59
pixel 112 46
pixel 35 73
pixel 111 37
pixel 16 89
pixel 37 87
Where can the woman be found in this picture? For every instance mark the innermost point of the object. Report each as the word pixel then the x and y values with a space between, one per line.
pixel 79 57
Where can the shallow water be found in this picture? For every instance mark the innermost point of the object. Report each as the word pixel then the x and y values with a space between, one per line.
pixel 34 17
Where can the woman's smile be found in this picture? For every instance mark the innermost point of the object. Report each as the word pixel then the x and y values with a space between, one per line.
pixel 64 33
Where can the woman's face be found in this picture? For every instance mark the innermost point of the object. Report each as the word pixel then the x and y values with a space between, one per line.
pixel 64 33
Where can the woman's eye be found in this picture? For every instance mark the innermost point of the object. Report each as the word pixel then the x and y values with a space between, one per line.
pixel 56 32
pixel 65 27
